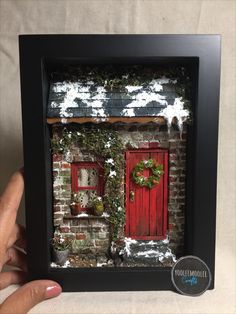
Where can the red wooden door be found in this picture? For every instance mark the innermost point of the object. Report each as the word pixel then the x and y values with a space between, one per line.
pixel 146 212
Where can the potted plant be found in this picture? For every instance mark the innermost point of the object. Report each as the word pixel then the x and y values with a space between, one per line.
pixel 60 249
pixel 98 206
pixel 75 206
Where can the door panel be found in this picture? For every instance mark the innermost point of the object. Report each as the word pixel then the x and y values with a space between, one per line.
pixel 146 213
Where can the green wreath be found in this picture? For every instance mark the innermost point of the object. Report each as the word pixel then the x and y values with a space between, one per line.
pixel 153 179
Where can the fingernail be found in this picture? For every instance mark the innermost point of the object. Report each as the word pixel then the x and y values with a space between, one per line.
pixel 52 291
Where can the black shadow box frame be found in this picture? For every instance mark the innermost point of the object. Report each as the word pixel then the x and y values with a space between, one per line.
pixel 39 54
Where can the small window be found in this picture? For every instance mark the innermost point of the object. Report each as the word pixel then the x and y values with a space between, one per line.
pixel 87 181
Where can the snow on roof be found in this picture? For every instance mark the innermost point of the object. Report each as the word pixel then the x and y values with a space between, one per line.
pixel 88 97
pixel 77 99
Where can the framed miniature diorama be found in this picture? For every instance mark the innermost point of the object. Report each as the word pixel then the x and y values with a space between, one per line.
pixel 120 148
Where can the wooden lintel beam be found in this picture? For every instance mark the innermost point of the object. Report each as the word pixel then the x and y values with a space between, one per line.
pixel 80 120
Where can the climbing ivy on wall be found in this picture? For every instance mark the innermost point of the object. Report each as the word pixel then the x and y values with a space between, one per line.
pixel 103 143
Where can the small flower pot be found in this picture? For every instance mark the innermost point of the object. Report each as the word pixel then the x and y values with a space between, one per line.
pixel 60 257
pixel 98 209
pixel 75 209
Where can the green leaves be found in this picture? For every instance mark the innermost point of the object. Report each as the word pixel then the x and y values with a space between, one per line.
pixel 152 180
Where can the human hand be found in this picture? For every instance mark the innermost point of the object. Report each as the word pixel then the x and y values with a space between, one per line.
pixel 12 235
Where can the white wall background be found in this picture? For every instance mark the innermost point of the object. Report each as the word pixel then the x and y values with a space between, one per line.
pixel 129 17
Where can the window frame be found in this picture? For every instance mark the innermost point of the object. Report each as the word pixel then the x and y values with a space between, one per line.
pixel 75 188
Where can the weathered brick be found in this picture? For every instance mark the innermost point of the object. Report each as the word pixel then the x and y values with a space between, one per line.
pixel 184 135
pixel 173 150
pixel 182 150
pixel 67 180
pixel 173 179
pixel 174 135
pixel 172 226
pixel 80 236
pixel 143 145
pixel 56 208
pixel 58 214
pixel 181 193
pixel 173 193
pixel 64 229
pixel 65 165
pixel 182 179
pixel 102 243
pixel 173 157
pixel 74 229
pixel 56 194
pixel 175 172
pixel 65 173
pixel 66 194
pixel 154 144
pixel 66 187
pixel 57 157
pixel 56 165
pixel 148 136
pixel 102 235
pixel 55 174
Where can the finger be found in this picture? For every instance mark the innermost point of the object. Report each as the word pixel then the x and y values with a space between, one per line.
pixel 26 297
pixel 9 204
pixel 12 194
pixel 14 257
pixel 17 237
pixel 11 277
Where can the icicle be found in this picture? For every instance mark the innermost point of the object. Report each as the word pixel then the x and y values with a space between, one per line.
pixel 175 111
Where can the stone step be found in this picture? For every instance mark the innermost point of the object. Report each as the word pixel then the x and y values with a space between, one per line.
pixel 148 252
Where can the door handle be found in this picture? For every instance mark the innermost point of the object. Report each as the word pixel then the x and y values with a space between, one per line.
pixel 131 196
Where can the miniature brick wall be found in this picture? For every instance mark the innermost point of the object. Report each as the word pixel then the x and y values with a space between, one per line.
pixel 92 234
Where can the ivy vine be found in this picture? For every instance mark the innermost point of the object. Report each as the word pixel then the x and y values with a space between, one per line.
pixel 103 143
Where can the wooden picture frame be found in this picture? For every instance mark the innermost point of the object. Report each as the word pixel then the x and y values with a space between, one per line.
pixel 39 54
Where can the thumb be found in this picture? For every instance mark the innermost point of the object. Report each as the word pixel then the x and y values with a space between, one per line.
pixel 26 297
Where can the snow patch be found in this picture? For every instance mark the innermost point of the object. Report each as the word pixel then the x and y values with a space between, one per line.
pixel 64 121
pixel 128 112
pixel 54 265
pixel 82 215
pixel 156 86
pixel 99 112
pixel 166 240
pixel 110 160
pixel 175 111
pixel 132 89
pixel 149 252
pixel 101 264
pixel 94 104
pixel 73 92
pixel 128 242
pixel 112 173
pixel 108 145
pixel 104 214
pixel 151 242
pixel 143 98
